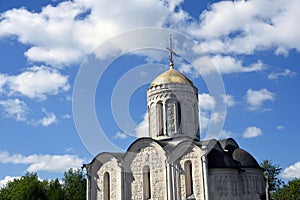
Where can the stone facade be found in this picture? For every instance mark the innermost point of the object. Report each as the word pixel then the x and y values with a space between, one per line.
pixel 172 163
pixel 173 111
pixel 181 171
pixel 235 184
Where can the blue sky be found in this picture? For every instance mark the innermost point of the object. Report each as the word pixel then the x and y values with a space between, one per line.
pixel 254 45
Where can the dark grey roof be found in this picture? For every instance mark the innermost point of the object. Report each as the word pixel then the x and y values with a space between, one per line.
pixel 244 159
pixel 217 158
pixel 227 154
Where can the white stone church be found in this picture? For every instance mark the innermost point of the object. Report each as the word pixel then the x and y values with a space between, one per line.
pixel 173 163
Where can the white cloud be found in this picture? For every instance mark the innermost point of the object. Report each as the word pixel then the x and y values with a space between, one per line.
pixel 142 130
pixel 204 119
pixel 250 26
pixel 63 34
pixel 252 131
pixel 49 163
pixel 14 108
pixel 228 100
pixel 255 98
pixel 285 73
pixel 7 179
pixel 217 117
pixel 37 82
pixel 292 171
pixel 206 102
pixel 207 115
pixel 18 110
pixel 224 65
pixel 49 119
pixel 225 134
pixel 280 127
pixel 2 82
pixel 120 135
pixel 66 116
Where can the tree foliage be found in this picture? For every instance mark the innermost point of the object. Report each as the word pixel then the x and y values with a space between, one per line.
pixel 29 187
pixel 290 191
pixel 55 190
pixel 74 185
pixel 271 173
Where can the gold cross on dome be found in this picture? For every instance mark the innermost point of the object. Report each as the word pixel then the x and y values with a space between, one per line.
pixel 171 53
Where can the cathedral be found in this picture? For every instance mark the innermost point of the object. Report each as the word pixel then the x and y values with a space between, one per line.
pixel 172 163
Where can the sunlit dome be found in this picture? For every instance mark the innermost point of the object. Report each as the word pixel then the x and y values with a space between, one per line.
pixel 171 76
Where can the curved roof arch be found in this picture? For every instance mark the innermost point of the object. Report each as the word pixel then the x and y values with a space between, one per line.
pixel 244 159
pixel 144 142
pixel 107 156
pixel 182 148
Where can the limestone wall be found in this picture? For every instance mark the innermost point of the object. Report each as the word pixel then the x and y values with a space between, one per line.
pixel 147 156
pixel 115 180
pixel 232 184
pixel 176 121
pixel 193 157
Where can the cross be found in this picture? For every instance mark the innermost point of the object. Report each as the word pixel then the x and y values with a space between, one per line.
pixel 171 54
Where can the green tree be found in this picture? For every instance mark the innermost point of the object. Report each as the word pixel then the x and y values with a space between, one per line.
pixel 271 172
pixel 55 190
pixel 28 187
pixel 290 191
pixel 74 185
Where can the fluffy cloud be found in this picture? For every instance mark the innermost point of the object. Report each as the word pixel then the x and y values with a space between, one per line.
pixel 49 163
pixel 255 98
pixel 280 127
pixel 49 119
pixel 285 73
pixel 252 132
pixel 228 100
pixel 14 108
pixel 36 82
pixel 142 130
pixel 225 134
pixel 250 26
pixel 63 34
pixel 7 179
pixel 18 110
pixel 224 65
pixel 120 135
pixel 206 102
pixel 292 171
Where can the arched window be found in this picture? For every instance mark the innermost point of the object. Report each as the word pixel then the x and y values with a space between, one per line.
pixel 188 178
pixel 106 185
pixel 146 183
pixel 178 117
pixel 173 116
pixel 160 123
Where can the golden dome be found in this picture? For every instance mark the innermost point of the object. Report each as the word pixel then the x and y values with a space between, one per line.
pixel 171 76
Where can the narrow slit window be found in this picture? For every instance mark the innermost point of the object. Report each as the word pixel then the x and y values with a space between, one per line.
pixel 106 180
pixel 146 183
pixel 160 118
pixel 178 117
pixel 188 178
